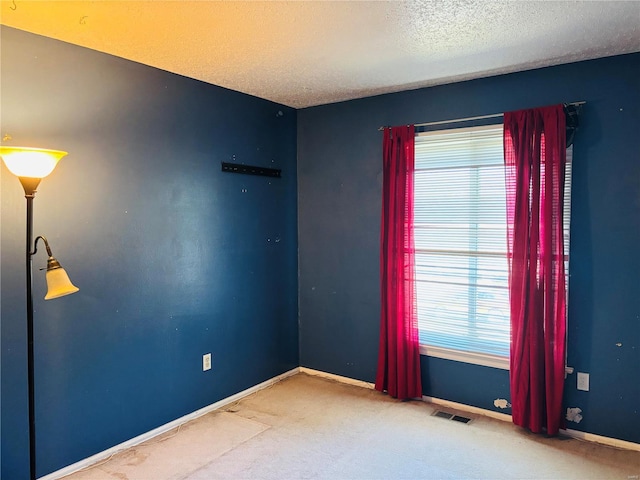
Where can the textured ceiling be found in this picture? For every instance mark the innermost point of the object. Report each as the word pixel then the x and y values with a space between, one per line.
pixel 308 53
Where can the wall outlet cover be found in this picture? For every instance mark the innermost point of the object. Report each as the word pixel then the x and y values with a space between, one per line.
pixel 206 362
pixel 583 381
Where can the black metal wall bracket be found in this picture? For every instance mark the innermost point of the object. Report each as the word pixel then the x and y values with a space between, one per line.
pixel 250 170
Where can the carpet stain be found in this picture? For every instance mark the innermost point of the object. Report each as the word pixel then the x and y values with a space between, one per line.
pixel 121 476
pixel 137 458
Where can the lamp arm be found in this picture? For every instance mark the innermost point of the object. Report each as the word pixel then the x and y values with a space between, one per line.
pixel 35 246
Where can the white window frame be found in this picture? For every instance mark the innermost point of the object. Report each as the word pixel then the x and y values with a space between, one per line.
pixel 484 359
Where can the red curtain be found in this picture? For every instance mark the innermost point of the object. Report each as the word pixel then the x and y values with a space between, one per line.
pixel 535 158
pixel 399 352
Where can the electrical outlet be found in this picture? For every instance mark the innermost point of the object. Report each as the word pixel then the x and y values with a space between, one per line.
pixel 583 381
pixel 206 362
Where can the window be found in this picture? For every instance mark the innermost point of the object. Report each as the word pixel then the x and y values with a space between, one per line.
pixel 460 238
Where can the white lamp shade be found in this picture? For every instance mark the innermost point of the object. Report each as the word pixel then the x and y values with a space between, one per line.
pixel 58 284
pixel 30 162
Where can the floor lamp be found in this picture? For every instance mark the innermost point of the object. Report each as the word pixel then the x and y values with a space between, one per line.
pixel 31 165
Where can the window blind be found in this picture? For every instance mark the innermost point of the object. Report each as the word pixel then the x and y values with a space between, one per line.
pixel 460 238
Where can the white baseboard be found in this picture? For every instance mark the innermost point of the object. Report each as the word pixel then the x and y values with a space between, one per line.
pixel 467 408
pixel 589 437
pixel 578 435
pixel 592 437
pixel 337 378
pixel 89 461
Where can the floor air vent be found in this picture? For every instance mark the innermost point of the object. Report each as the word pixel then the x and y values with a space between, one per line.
pixel 441 414
pixel 451 416
pixel 460 419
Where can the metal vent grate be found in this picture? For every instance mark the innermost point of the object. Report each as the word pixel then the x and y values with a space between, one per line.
pixel 441 414
pixel 461 419
pixel 451 416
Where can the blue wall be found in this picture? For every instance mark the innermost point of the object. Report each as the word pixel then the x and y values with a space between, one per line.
pixel 173 258
pixel 339 198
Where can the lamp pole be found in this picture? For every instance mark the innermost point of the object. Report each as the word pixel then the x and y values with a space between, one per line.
pixel 30 185
pixel 30 352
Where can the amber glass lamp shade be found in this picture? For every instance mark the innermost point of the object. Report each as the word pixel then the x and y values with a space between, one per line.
pixel 26 162
pixel 58 283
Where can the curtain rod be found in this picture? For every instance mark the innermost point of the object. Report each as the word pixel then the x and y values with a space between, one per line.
pixel 469 119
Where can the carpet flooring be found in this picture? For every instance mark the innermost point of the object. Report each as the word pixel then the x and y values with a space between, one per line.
pixel 308 427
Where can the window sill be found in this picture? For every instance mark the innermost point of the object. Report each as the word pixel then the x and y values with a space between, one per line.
pixel 466 357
